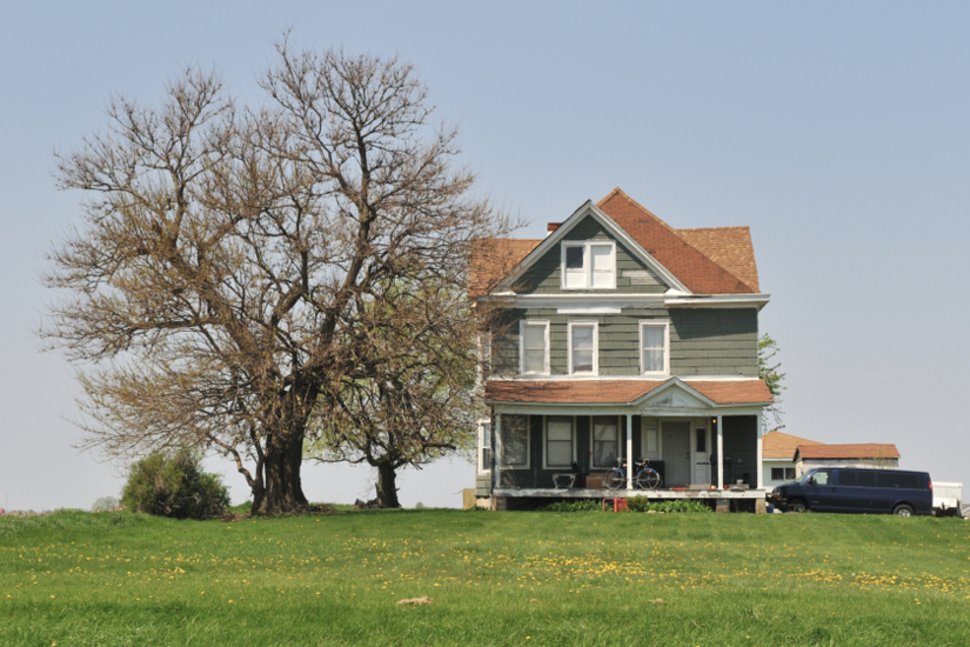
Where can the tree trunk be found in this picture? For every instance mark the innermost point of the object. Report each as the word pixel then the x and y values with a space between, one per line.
pixel 282 489
pixel 387 486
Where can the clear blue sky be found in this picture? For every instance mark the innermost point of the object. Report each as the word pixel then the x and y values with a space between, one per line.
pixel 839 132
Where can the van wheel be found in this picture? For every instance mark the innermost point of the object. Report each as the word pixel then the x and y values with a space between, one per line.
pixel 903 510
pixel 797 506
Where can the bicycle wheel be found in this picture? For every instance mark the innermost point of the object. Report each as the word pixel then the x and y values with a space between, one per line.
pixel 648 479
pixel 615 478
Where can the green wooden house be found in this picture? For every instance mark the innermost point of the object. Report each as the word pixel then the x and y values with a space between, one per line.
pixel 619 336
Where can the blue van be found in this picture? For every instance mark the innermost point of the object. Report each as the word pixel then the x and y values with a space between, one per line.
pixel 856 489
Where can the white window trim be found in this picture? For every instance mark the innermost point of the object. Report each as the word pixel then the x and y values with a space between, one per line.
pixel 545 361
pixel 587 263
pixel 592 442
pixel 654 323
pixel 545 443
pixel 501 450
pixel 484 436
pixel 596 346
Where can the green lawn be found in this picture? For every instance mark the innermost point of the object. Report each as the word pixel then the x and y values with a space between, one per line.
pixel 493 578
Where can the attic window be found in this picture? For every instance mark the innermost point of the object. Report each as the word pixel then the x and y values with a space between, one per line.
pixel 588 265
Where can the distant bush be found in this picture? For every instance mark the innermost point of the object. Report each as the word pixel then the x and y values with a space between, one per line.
pixel 106 504
pixel 174 485
pixel 578 505
pixel 641 504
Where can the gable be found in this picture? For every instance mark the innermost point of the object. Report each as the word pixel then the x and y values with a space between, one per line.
pixel 675 396
pixel 544 275
pixel 652 257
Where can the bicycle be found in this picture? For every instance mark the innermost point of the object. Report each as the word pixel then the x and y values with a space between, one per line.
pixel 645 477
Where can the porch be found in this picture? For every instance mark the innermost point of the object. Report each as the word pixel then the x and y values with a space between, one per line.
pixel 703 448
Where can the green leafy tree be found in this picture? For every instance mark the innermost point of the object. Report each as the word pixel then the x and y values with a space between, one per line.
pixel 769 370
pixel 410 397
pixel 174 486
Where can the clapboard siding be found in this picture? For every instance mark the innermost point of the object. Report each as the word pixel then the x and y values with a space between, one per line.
pixel 702 342
pixel 544 277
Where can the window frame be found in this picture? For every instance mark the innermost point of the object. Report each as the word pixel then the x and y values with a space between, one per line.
pixel 587 246
pixel 596 346
pixel 654 323
pixel 500 457
pixel 484 444
pixel 526 323
pixel 545 443
pixel 593 465
pixel 787 473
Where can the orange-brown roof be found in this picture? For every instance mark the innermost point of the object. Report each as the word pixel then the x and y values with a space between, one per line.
pixel 492 259
pixel 779 445
pixel 729 247
pixel 851 451
pixel 715 260
pixel 690 265
pixel 618 391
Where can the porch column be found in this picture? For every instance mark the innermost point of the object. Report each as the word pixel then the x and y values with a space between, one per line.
pixel 629 451
pixel 496 448
pixel 761 469
pixel 720 452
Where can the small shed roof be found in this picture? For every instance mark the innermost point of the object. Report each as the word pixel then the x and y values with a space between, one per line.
pixel 778 445
pixel 847 452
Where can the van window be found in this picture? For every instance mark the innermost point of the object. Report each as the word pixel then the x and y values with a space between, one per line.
pixel 907 480
pixel 857 478
pixel 820 477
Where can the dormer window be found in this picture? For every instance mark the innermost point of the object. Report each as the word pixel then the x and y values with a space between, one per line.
pixel 589 265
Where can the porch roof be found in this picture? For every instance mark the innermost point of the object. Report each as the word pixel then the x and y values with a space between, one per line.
pixel 621 392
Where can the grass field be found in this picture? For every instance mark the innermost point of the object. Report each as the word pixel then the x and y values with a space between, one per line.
pixel 541 578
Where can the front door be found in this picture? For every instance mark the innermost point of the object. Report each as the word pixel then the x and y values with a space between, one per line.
pixel 675 450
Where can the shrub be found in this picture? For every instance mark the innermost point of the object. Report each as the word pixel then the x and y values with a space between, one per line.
pixel 105 504
pixel 641 504
pixel 173 485
pixel 577 505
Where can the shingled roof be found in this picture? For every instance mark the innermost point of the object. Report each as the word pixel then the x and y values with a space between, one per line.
pixel 848 451
pixel 714 260
pixel 619 391
pixel 781 446
pixel 695 269
pixel 492 259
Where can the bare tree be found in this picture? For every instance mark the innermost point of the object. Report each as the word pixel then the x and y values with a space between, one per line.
pixel 212 292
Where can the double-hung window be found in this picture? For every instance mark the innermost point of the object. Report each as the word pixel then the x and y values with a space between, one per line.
pixel 583 348
pixel 514 441
pixel 559 442
pixel 606 442
pixel 654 347
pixel 588 265
pixel 534 352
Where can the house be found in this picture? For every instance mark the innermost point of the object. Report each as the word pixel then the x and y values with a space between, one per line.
pixel 778 456
pixel 883 455
pixel 619 336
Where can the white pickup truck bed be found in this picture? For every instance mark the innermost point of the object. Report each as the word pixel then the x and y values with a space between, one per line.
pixel 947 497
